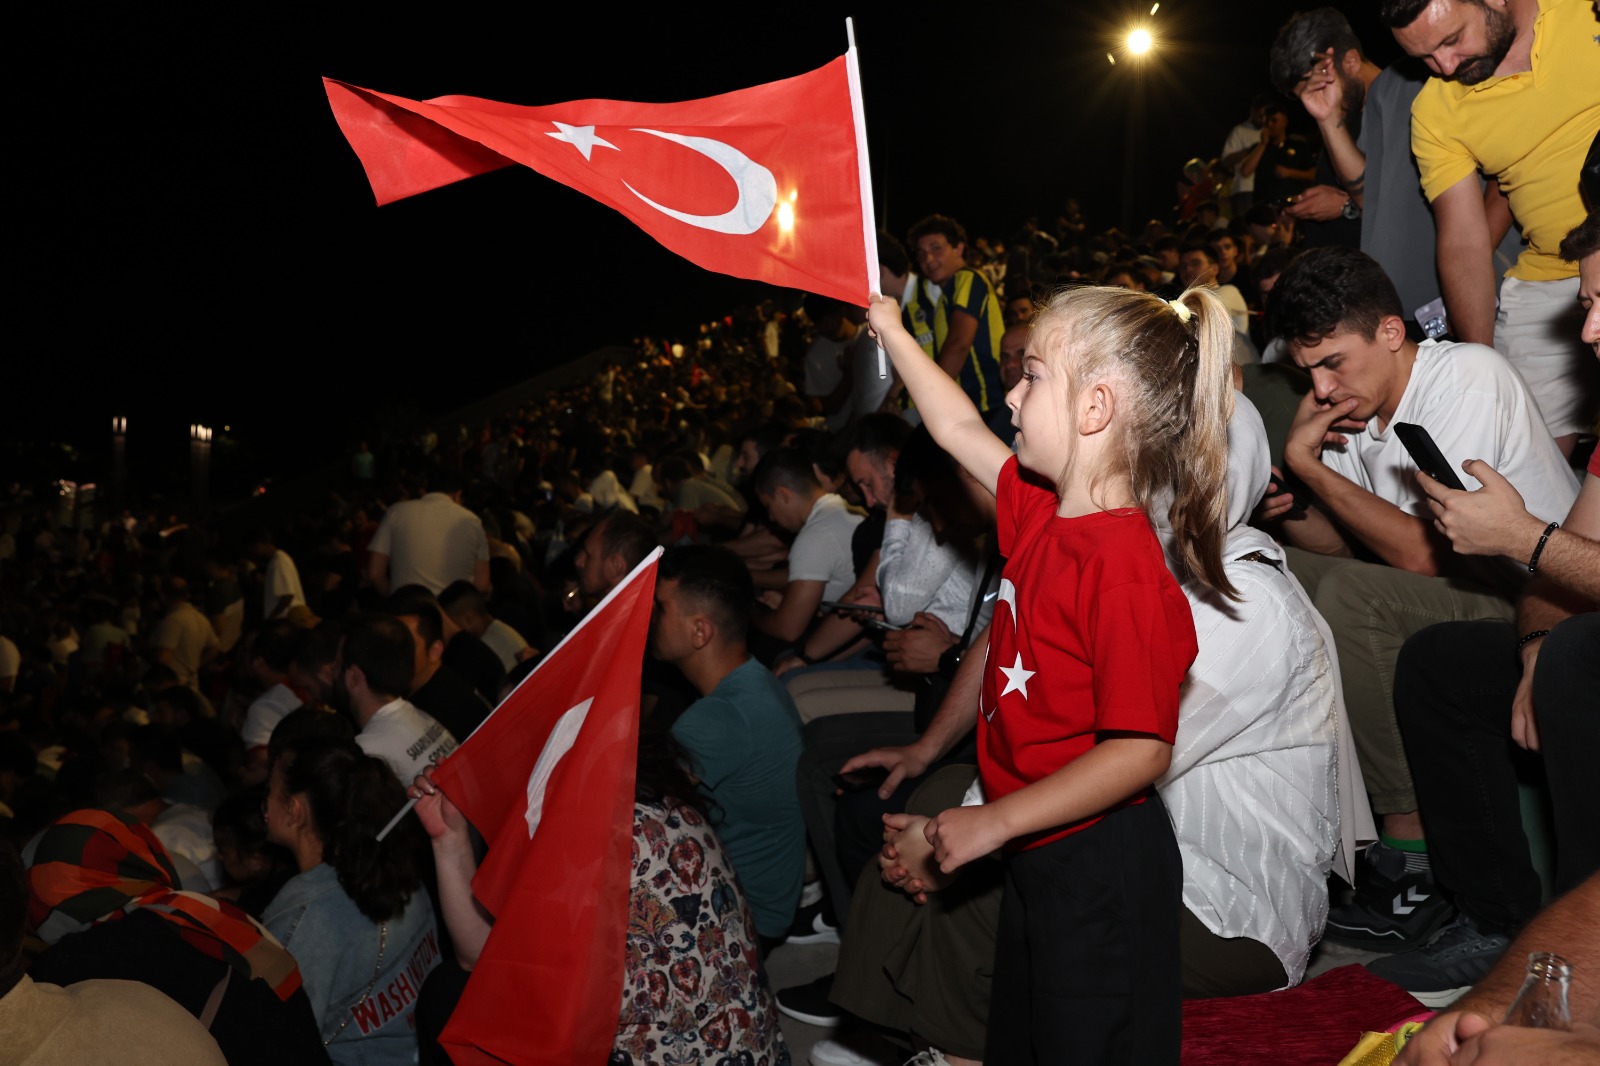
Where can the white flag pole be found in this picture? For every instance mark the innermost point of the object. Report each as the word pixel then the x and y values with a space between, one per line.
pixel 869 229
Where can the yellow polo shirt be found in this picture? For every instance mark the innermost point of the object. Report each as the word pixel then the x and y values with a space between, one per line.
pixel 1530 130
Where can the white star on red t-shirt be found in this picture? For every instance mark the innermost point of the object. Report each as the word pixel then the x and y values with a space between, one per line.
pixel 1016 678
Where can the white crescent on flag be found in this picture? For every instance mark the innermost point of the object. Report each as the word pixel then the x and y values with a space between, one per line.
pixel 758 189
pixel 562 737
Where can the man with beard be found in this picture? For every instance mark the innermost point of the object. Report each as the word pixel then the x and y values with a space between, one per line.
pixel 1515 95
pixel 1364 115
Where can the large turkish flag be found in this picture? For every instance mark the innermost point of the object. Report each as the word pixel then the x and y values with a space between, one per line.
pixel 769 183
pixel 548 779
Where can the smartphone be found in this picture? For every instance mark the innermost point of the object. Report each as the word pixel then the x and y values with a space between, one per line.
pixel 835 605
pixel 1291 483
pixel 861 780
pixel 1426 454
pixel 878 623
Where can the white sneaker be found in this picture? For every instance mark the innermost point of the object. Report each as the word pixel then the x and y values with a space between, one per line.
pixel 932 1057
pixel 835 1053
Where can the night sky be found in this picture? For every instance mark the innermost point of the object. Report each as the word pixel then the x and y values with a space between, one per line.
pixel 198 242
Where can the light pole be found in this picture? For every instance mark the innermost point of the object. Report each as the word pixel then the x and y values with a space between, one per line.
pixel 1130 57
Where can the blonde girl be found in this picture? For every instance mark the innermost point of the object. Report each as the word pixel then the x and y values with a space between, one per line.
pixel 1124 396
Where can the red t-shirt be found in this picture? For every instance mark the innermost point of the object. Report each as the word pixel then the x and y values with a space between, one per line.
pixel 1594 462
pixel 1092 633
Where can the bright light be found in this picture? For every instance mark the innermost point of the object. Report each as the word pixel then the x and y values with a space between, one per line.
pixel 1111 59
pixel 1139 42
pixel 1154 8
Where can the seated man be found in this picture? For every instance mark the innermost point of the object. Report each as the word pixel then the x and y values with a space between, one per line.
pixel 1462 687
pixel 376 662
pixel 820 561
pixel 1341 320
pixel 1263 800
pixel 743 734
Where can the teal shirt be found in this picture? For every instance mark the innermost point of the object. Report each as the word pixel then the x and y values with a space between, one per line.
pixel 744 740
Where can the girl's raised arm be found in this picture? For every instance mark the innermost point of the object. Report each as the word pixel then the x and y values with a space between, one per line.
pixel 946 410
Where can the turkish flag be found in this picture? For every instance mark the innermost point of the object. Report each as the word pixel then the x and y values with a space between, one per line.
pixel 769 183
pixel 548 780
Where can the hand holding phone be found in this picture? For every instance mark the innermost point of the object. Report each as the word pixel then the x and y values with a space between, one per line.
pixel 1426 454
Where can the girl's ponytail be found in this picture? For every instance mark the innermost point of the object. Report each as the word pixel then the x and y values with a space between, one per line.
pixel 1199 513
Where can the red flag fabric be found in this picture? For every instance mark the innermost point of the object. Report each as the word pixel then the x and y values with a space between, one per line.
pixel 769 183
pixel 548 780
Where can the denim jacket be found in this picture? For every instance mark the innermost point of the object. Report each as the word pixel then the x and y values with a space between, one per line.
pixel 365 1019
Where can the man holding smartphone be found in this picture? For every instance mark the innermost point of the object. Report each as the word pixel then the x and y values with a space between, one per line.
pixel 1368 554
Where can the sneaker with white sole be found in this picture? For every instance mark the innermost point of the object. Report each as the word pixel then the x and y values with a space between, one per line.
pixel 932 1057
pixel 811 926
pixel 809 1003
pixel 1457 957
pixel 1396 906
pixel 827 1052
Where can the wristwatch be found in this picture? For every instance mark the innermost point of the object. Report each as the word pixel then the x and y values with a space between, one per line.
pixel 1350 210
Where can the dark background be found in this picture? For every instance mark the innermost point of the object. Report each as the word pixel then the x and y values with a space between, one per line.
pixel 197 243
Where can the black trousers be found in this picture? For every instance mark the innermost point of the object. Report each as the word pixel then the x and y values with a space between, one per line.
pixel 1454 685
pixel 1086 963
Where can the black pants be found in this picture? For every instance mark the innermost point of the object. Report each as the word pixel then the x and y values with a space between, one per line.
pixel 1086 963
pixel 1454 685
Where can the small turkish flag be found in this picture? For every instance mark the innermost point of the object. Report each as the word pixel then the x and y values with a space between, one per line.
pixel 769 183
pixel 548 779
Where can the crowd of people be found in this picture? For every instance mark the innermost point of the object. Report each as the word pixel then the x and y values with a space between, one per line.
pixel 1056 672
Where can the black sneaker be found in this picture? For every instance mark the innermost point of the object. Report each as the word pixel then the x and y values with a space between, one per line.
pixel 1456 958
pixel 1396 906
pixel 809 1003
pixel 811 926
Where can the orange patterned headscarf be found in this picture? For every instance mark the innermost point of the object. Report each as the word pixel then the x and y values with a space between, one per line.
pixel 95 866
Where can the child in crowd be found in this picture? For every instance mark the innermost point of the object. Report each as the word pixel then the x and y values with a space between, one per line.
pixel 1123 395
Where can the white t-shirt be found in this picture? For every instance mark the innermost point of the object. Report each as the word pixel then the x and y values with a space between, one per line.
pixel 821 550
pixel 407 738
pixel 185 832
pixel 430 542
pixel 281 579
pixel 1241 137
pixel 505 642
pixel 264 714
pixel 1474 406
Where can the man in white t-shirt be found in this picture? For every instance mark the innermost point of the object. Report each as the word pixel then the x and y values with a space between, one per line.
pixel 820 566
pixel 430 542
pixel 272 650
pixel 375 665
pixel 281 590
pixel 1342 321
pixel 1242 139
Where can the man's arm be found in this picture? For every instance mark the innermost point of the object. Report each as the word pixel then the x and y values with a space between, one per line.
pixel 791 617
pixel 1400 539
pixel 480 575
pixel 1252 158
pixel 958 342
pixel 954 720
pixel 1465 255
pixel 378 572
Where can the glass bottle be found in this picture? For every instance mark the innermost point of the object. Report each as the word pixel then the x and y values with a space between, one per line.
pixel 1542 1003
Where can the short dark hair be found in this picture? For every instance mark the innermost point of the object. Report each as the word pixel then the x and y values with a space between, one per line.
pixel 123 790
pixel 1398 14
pixel 877 434
pixel 151 743
pixel 1204 247
pixel 380 646
pixel 1302 39
pixel 415 601
pixel 944 225
pixel 319 646
pixel 1583 240
pixel 1328 289
pixel 625 534
pixel 789 467
pixel 304 723
pixel 446 480
pixel 672 468
pixel 716 581
pixel 276 644
pixel 461 593
pixel 892 254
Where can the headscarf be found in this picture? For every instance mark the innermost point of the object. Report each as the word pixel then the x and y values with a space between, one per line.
pixel 1249 472
pixel 95 866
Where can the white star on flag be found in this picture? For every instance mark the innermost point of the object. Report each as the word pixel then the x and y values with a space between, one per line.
pixel 1016 678
pixel 580 137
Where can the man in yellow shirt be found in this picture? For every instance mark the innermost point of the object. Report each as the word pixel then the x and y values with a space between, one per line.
pixel 1515 95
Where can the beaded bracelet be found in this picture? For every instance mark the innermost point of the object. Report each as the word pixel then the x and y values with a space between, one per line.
pixel 1528 638
pixel 1533 560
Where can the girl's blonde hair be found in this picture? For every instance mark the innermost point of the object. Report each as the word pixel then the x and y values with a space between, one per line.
pixel 1174 363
